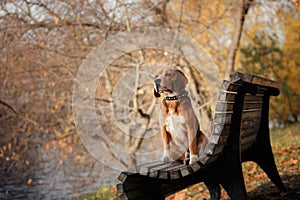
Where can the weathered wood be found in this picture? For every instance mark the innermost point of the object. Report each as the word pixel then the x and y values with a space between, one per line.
pixel 156 172
pixel 240 133
pixel 250 97
pixel 229 86
pixel 218 139
pixel 226 96
pixel 207 159
pixel 224 106
pixel 145 169
pixel 254 79
pixel 213 149
pixel 251 113
pixel 252 105
pixel 222 117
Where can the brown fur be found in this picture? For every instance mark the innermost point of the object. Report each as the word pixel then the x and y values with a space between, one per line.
pixel 172 82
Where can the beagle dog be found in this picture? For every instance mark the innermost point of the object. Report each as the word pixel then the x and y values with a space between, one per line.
pixel 180 130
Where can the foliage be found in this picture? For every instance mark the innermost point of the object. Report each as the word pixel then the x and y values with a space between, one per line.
pixel 105 193
pixel 268 55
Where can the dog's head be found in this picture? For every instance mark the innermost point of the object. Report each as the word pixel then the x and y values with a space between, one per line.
pixel 169 80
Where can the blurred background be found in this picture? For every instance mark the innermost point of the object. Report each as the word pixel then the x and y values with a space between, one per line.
pixel 44 42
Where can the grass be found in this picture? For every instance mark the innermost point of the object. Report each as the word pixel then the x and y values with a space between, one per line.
pixel 286 149
pixel 105 193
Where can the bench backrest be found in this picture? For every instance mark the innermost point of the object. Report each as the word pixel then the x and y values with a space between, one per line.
pixel 241 114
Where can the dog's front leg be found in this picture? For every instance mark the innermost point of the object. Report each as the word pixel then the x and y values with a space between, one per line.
pixel 166 144
pixel 193 144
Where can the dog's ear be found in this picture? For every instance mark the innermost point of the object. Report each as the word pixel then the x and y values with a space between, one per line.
pixel 180 81
pixel 156 94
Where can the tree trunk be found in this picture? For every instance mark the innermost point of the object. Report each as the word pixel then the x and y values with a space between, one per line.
pixel 242 8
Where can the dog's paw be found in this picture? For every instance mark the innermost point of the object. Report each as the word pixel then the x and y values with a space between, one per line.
pixel 165 159
pixel 193 159
pixel 166 156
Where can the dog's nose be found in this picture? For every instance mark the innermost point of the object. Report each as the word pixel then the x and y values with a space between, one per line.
pixel 157 81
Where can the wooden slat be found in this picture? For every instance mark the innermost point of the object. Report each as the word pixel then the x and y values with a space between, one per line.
pixel 207 159
pixel 221 128
pixel 120 188
pixel 145 169
pixel 249 138
pixel 254 79
pixel 250 97
pixel 173 168
pixel 220 133
pixel 249 114
pixel 229 86
pixel 227 96
pixel 155 173
pixel 174 174
pixel 224 106
pixel 213 149
pixel 249 131
pixel 222 118
pixel 248 141
pixel 218 139
pixel 123 176
pixel 259 80
pixel 252 105
pixel 133 169
pixel 185 170
pixel 254 121
pixel 249 127
pixel 196 166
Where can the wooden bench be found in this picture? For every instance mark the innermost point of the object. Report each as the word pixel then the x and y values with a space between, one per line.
pixel 240 133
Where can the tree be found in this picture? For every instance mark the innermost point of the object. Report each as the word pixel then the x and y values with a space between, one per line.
pixel 265 56
pixel 242 8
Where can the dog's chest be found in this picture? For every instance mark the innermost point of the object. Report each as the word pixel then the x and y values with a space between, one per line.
pixel 175 126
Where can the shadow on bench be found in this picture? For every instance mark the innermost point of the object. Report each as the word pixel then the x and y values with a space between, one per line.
pixel 240 133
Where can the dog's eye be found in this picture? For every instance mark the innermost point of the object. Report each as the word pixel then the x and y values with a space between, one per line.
pixel 168 74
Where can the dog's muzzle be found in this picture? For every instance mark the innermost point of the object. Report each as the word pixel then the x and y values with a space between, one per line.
pixel 157 82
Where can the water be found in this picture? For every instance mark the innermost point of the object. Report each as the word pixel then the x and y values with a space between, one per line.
pixel 53 174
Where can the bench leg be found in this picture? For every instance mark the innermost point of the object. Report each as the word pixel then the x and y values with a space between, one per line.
pixel 214 191
pixel 233 180
pixel 265 159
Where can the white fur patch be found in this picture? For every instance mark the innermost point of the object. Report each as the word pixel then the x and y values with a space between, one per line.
pixel 174 125
pixel 193 159
pixel 166 156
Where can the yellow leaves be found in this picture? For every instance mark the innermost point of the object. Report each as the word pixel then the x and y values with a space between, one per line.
pixel 296 3
pixel 179 195
pixel 29 181
pixel 56 21
pixel 50 144
pixel 79 158
pixel 27 162
pixel 45 73
pixel 291 162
